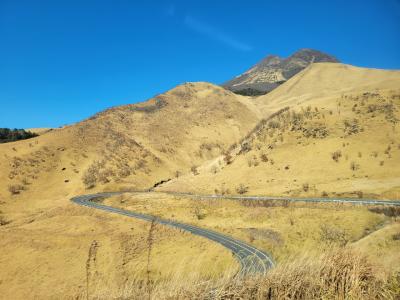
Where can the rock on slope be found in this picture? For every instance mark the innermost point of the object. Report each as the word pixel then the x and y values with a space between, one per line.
pixel 273 70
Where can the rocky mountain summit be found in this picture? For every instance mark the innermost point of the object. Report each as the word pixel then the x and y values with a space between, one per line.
pixel 273 70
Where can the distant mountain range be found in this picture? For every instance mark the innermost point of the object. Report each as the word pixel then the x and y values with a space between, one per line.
pixel 273 70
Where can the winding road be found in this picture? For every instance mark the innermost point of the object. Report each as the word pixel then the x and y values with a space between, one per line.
pixel 251 259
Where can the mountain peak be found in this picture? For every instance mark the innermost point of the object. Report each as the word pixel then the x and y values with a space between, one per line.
pixel 311 56
pixel 273 70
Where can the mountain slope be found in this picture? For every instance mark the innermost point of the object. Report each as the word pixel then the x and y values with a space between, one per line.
pixel 272 71
pixel 129 147
pixel 336 120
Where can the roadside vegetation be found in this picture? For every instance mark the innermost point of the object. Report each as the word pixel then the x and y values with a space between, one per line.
pixel 336 274
pixel 322 251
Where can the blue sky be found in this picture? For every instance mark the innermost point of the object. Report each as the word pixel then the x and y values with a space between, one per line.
pixel 62 61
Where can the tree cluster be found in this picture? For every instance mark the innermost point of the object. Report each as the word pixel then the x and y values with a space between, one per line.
pixel 11 135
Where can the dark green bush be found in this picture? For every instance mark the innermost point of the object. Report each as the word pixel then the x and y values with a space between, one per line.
pixel 11 135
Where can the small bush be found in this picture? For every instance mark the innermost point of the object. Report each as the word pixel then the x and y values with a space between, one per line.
pixel 199 213
pixel 228 158
pixel 245 147
pixel 3 221
pixel 194 170
pixel 16 189
pixel 352 127
pixel 354 166
pixel 336 155
pixel 306 187
pixel 264 157
pixel 242 189
pixel 90 178
pixel 333 235
pixel 274 124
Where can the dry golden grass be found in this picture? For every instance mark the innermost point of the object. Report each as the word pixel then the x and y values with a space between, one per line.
pixel 285 230
pixel 58 253
pixel 340 146
pixel 337 274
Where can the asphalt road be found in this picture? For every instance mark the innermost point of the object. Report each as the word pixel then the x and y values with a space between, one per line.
pixel 251 259
pixel 359 201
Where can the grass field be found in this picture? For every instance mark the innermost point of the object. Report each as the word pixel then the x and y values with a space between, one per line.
pixel 285 230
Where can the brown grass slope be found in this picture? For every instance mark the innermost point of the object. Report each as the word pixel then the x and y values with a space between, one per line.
pixel 338 136
pixel 132 146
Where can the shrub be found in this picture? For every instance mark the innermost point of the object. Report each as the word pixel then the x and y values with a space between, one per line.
pixel 333 235
pixel 354 166
pixel 104 176
pixel 352 127
pixel 264 157
pixel 242 189
pixel 318 131
pixel 228 158
pixel 274 124
pixel 16 189
pixel 3 221
pixel 306 187
pixel 245 147
pixel 336 155
pixel 194 170
pixel 199 213
pixel 90 177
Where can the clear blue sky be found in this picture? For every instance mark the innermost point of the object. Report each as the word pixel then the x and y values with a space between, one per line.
pixel 64 60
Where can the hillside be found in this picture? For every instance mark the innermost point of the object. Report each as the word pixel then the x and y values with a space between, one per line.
pixel 128 147
pixel 132 146
pixel 341 121
pixel 273 71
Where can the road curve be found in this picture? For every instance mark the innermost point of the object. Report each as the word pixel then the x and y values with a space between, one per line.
pixel 251 259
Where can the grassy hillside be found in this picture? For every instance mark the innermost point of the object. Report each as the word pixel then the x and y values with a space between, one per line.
pixel 326 139
pixel 132 146
pixel 52 248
